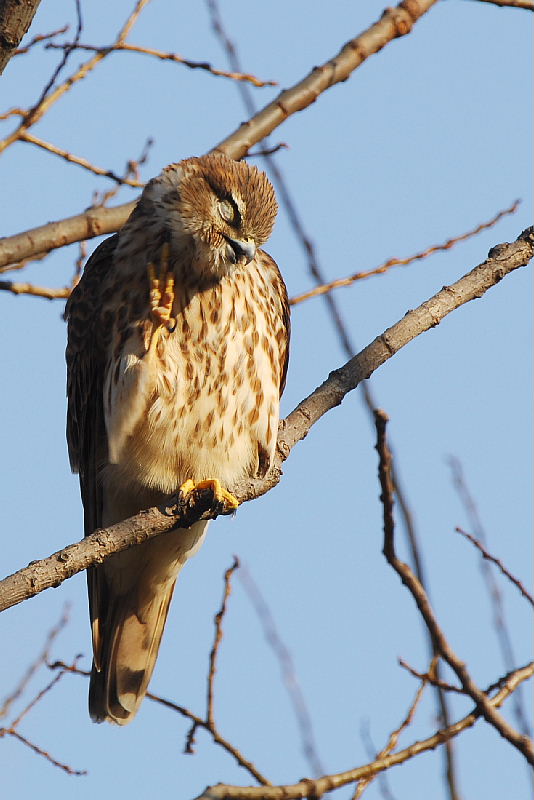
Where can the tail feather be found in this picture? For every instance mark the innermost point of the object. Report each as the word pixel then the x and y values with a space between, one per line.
pixel 129 599
pixel 131 637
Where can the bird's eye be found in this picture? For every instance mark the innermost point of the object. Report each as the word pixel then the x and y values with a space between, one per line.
pixel 226 210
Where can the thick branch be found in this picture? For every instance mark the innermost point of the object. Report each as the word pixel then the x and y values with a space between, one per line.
pixel 52 571
pixel 393 23
pixel 15 19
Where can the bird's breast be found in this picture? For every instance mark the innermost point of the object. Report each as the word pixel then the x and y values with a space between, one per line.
pixel 204 401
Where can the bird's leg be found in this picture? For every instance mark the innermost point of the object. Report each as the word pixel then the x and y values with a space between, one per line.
pixel 228 501
pixel 162 291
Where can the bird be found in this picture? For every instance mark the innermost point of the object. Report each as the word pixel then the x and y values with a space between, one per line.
pixel 177 354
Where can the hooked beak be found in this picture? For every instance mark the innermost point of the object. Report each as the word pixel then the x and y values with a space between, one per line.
pixel 240 250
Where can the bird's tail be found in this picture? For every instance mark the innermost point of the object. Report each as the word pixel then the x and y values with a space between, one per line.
pixel 130 637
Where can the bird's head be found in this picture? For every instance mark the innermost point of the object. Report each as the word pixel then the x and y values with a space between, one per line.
pixel 218 209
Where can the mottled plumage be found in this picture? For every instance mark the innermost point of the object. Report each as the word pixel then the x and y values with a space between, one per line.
pixel 176 355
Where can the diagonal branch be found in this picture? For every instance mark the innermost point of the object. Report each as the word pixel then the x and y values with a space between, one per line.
pixel 52 571
pixel 394 22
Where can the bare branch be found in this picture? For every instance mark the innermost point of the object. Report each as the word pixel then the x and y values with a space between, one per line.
pixel 53 570
pixel 174 57
pixel 25 136
pixel 394 22
pixel 426 676
pixel 36 291
pixel 39 750
pixel 402 262
pixel 519 741
pixel 210 717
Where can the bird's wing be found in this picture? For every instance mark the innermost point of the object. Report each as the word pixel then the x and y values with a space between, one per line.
pixel 86 437
pixel 86 434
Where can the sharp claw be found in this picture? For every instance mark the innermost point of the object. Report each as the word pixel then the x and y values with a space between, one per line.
pixel 225 499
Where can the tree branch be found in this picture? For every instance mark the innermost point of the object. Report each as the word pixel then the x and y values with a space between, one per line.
pixel 394 22
pixel 518 740
pixel 316 788
pixel 52 571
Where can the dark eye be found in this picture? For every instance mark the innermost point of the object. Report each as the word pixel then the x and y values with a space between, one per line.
pixel 226 210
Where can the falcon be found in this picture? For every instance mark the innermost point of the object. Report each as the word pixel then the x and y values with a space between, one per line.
pixel 177 351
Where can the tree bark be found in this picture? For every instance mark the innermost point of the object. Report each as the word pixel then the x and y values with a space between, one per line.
pixel 15 18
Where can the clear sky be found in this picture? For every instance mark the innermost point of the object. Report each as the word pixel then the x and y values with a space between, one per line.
pixel 427 139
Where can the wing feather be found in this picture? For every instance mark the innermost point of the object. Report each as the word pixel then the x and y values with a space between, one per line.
pixel 86 435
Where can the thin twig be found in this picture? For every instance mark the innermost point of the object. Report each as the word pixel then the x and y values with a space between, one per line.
pixel 131 170
pixel 398 262
pixel 17 287
pixel 36 749
pixel 28 137
pixel 174 57
pixel 506 572
pixel 39 661
pixel 493 588
pixel 210 717
pixel 448 687
pixel 41 37
pixel 30 118
pixel 268 151
pixel 12 728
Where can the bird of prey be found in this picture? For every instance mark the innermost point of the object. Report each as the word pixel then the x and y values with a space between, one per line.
pixel 177 352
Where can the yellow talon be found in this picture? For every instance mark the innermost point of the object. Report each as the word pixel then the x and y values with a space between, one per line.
pixel 221 495
pixel 162 290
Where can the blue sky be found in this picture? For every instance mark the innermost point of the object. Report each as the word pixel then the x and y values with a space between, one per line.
pixel 425 140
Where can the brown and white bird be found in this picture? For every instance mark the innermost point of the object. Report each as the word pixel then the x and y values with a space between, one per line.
pixel 177 353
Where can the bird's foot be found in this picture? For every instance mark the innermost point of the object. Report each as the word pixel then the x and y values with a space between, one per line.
pixel 227 500
pixel 162 291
